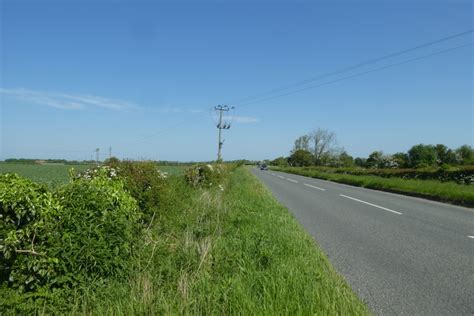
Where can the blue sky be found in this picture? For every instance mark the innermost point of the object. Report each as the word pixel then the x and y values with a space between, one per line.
pixel 141 76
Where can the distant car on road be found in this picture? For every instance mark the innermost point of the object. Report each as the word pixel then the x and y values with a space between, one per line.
pixel 263 167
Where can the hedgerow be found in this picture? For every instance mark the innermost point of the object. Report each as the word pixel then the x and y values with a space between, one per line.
pixel 448 191
pixel 146 183
pixel 464 175
pixel 84 232
pixel 29 219
pixel 99 225
pixel 205 175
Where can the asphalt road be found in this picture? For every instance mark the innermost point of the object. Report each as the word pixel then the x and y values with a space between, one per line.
pixel 402 255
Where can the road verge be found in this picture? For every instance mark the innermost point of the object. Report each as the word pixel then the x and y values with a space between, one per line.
pixel 449 192
pixel 230 250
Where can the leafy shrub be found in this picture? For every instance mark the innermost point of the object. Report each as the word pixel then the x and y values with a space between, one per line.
pixel 146 183
pixel 143 180
pixel 85 232
pixel 99 225
pixel 109 172
pixel 204 175
pixel 28 224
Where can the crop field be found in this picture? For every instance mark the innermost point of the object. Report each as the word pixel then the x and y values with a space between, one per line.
pixel 55 174
pixel 173 170
pixel 47 174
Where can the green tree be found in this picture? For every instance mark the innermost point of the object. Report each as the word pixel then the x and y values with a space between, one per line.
pixel 280 161
pixel 444 155
pixel 302 142
pixel 401 159
pixel 421 155
pixel 301 158
pixel 345 159
pixel 323 145
pixel 374 159
pixel 465 155
pixel 112 162
pixel 360 162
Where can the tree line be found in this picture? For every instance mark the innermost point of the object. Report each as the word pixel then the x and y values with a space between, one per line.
pixel 319 148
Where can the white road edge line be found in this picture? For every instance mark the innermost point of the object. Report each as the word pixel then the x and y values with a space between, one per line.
pixel 312 186
pixel 472 237
pixel 374 205
pixel 281 177
pixel 291 180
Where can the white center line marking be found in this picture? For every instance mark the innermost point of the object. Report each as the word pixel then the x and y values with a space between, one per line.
pixel 312 186
pixel 291 180
pixel 374 205
pixel 281 177
pixel 471 237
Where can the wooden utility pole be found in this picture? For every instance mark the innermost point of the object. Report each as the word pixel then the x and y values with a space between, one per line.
pixel 221 125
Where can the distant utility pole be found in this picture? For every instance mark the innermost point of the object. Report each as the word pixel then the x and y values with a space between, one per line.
pixel 110 152
pixel 221 125
pixel 97 155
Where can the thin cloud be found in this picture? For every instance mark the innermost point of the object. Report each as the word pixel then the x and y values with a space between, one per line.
pixel 236 119
pixel 67 101
pixel 245 119
pixel 173 109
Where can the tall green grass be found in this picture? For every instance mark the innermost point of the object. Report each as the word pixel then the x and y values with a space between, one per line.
pixel 450 192
pixel 236 251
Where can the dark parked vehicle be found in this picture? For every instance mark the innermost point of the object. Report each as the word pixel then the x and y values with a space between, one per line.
pixel 263 167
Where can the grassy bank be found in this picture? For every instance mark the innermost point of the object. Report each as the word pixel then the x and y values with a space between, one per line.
pixel 236 251
pixel 230 249
pixel 435 190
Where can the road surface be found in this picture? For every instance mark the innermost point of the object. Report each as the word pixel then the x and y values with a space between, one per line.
pixel 402 255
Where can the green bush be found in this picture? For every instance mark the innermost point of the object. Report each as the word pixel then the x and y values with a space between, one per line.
pixel 109 172
pixel 29 220
pixel 143 180
pixel 205 175
pixel 82 235
pixel 146 183
pixel 99 225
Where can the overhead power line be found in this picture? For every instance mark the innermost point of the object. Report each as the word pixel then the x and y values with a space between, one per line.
pixel 358 74
pixel 349 68
pixel 260 97
pixel 161 131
